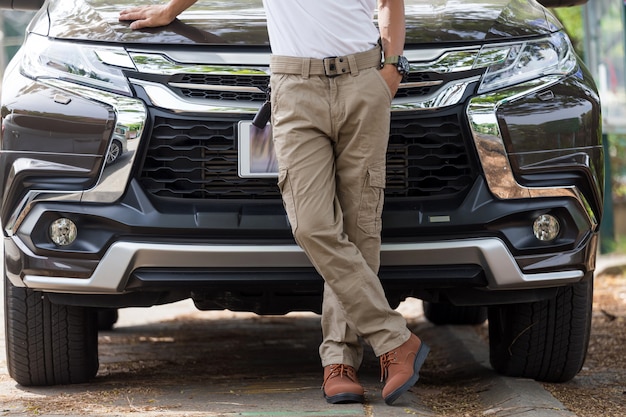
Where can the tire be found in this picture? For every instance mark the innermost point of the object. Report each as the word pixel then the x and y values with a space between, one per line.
pixel 107 317
pixel 544 340
pixel 48 344
pixel 443 313
pixel 114 152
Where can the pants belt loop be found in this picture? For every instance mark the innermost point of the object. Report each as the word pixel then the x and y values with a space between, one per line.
pixel 306 67
pixel 354 68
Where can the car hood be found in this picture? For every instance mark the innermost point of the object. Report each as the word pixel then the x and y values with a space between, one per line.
pixel 242 22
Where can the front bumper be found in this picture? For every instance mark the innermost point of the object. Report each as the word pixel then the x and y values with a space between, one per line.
pixel 123 259
pixel 134 246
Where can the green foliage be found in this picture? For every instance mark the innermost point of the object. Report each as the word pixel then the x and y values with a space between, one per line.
pixel 617 150
pixel 616 246
pixel 572 20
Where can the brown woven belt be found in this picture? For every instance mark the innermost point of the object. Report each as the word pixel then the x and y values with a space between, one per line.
pixel 330 67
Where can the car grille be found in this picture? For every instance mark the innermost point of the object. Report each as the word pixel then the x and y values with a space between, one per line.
pixel 199 86
pixel 208 86
pixel 191 158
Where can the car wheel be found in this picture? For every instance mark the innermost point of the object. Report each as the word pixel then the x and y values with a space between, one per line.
pixel 115 150
pixel 48 344
pixel 444 313
pixel 543 340
pixel 107 317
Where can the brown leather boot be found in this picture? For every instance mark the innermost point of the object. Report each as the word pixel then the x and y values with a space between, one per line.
pixel 400 367
pixel 341 385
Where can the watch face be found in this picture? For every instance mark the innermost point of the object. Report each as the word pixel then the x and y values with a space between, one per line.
pixel 403 66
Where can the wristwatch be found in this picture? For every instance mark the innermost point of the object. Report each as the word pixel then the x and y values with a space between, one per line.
pixel 401 63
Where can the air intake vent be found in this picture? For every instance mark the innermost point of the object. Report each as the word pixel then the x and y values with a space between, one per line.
pixel 427 157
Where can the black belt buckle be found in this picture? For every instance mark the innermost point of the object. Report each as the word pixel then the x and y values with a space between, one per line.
pixel 331 65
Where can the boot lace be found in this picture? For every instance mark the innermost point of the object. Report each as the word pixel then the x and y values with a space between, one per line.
pixel 339 371
pixel 386 360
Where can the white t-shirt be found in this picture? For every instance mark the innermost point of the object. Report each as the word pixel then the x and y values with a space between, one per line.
pixel 321 28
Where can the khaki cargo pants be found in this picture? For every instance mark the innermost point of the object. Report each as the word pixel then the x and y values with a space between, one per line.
pixel 330 136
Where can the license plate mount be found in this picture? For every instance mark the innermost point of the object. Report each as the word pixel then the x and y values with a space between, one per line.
pixel 257 158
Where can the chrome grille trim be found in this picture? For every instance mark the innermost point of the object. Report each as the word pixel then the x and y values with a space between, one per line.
pixel 440 60
pixel 163 97
pixel 217 87
pixel 430 83
pixel 151 62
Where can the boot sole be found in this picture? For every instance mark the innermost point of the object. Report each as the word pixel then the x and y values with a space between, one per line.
pixel 420 357
pixel 345 398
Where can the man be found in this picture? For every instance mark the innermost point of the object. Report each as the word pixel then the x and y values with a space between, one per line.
pixel 330 120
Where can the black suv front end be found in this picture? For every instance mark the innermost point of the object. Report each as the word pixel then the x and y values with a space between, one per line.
pixel 494 176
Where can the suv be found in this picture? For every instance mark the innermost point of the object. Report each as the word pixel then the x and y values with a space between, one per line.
pixel 494 180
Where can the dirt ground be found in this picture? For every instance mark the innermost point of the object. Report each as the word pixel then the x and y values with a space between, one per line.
pixel 600 388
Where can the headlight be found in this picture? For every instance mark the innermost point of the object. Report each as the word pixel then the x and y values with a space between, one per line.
pixel 94 66
pixel 514 63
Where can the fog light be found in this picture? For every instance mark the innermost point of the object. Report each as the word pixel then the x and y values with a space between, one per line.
pixel 546 227
pixel 63 231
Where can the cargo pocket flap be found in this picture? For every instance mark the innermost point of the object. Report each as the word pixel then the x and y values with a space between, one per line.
pixel 377 174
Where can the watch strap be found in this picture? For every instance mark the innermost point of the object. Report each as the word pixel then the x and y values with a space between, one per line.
pixel 393 59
